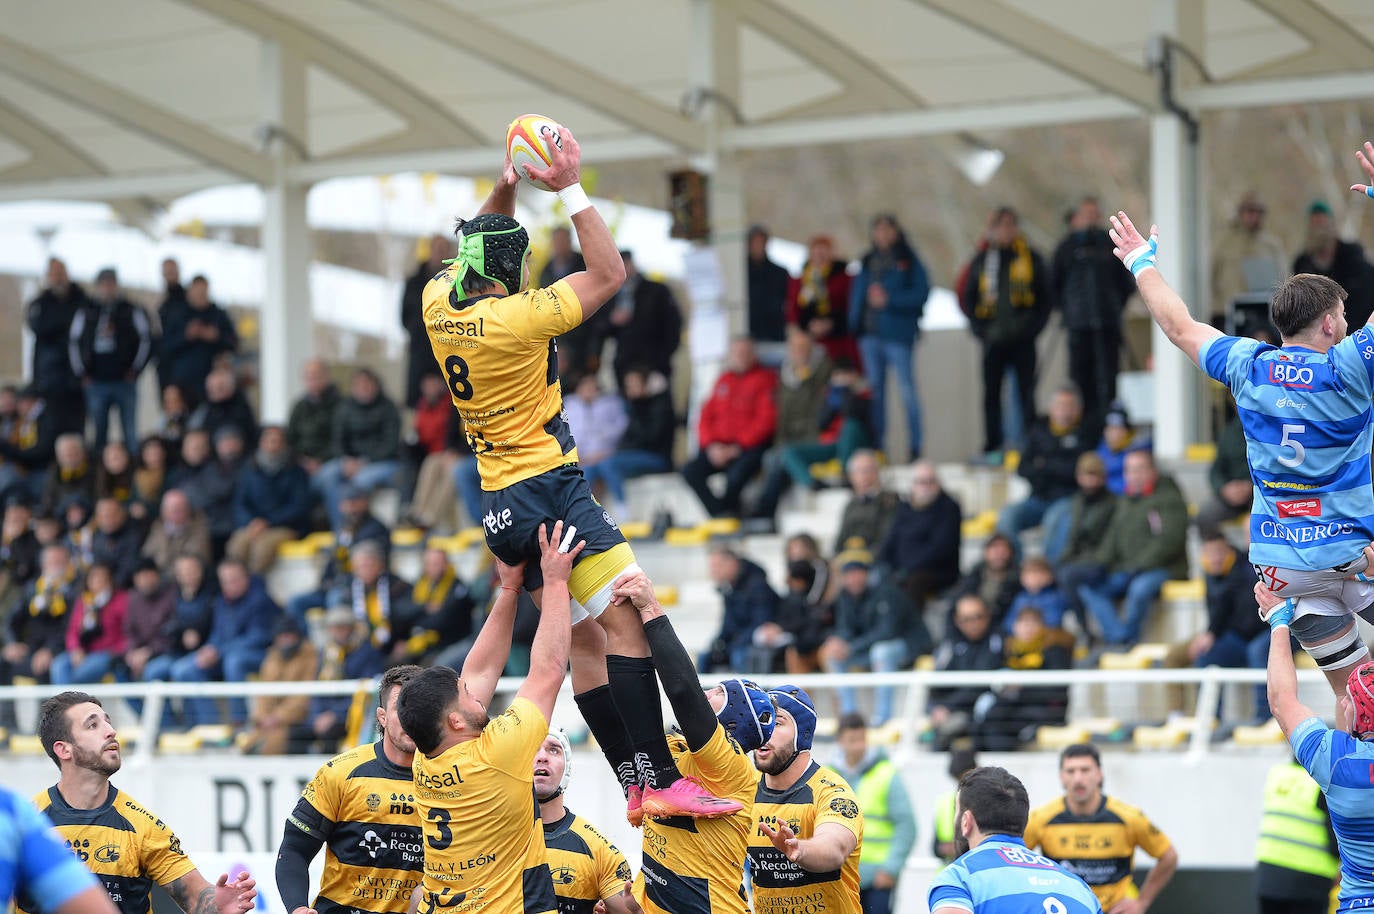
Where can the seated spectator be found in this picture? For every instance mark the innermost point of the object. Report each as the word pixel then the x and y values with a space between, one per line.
pixel 80 538
pixel 176 413
pixel 195 465
pixel 310 429
pixel 442 607
pixel 1047 463
pixel 224 406
pixel 921 547
pixel 1089 515
pixel 367 442
pixel 95 631
pixel 995 580
pixel 114 478
pixel 801 390
pixel 271 503
pixel 1232 488
pixel 357 524
pixel 1146 545
pixel 19 551
pixel 869 513
pixel 1039 589
pixel 1006 717
pixel 1235 634
pixel 36 631
pixel 432 432
pixel 877 627
pixel 818 301
pixel 1119 440
pixel 70 474
pixel 48 529
pixel 380 600
pixel 150 475
pixel 749 602
pixel 244 618
pixel 27 448
pixel 434 502
pixel 194 337
pixel 148 622
pixel 972 644
pixel 799 627
pixel 179 530
pixel 802 547
pixel 348 653
pixel 734 430
pixel 467 481
pixel 651 428
pixel 116 541
pixel 843 423
pixel 193 614
pixel 598 419
pixel 217 488
pixel 291 658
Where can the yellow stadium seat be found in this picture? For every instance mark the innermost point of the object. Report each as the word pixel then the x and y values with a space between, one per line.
pixel 296 549
pixel 686 536
pixel 24 744
pixel 469 537
pixel 446 543
pixel 925 663
pixel 185 743
pixel 4 734
pixel 407 537
pixel 720 526
pixel 214 734
pixel 1266 734
pixel 25 681
pixel 667 595
pixel 1168 736
pixel 1055 738
pixel 1011 461
pixel 1099 726
pixel 980 525
pixel 1200 453
pixel 1124 660
pixel 827 470
pixel 1152 651
pixel 321 540
pixel 636 530
pixel 1192 589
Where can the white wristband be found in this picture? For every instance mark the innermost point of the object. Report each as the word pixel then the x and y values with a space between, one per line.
pixel 574 199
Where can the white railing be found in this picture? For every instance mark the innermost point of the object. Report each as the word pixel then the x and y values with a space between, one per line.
pixel 917 684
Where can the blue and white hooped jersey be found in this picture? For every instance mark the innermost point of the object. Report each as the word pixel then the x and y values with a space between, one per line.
pixel 1306 416
pixel 1343 768
pixel 1002 876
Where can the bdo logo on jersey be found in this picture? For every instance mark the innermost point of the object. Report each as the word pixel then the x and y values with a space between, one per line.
pixel 1290 374
pixel 1304 507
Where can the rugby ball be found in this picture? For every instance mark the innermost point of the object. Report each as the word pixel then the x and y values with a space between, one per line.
pixel 528 139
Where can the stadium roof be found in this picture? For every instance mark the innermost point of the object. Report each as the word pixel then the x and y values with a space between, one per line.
pixel 153 98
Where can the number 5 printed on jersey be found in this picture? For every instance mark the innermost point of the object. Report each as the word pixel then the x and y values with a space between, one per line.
pixel 1290 439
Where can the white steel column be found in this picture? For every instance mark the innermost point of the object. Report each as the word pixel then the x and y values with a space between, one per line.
pixel 286 330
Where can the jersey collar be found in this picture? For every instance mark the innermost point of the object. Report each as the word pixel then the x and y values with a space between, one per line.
pixel 60 801
pixel 562 825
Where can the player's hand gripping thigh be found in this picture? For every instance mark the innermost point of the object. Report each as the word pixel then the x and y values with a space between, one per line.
pixel 622 624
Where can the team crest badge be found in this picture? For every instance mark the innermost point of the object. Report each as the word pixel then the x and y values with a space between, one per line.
pixel 845 807
pixel 373 801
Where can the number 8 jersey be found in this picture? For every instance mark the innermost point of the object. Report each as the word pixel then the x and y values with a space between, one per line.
pixel 1306 416
pixel 500 362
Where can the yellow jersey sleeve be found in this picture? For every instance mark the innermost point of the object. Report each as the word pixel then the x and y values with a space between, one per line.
pixel 612 869
pixel 1034 826
pixel 163 859
pixel 1145 833
pixel 723 768
pixel 835 803
pixel 512 739
pixel 548 312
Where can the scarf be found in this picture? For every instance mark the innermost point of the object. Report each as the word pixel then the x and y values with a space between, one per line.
pixel 1020 292
pixel 374 608
pixel 50 596
pixel 815 288
pixel 428 591
pixel 332 664
pixel 25 434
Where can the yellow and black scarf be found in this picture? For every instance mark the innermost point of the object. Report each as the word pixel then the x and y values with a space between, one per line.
pixel 1020 280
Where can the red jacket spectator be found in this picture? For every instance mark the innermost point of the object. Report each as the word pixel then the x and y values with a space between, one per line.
pixel 107 635
pixel 741 410
pixel 433 412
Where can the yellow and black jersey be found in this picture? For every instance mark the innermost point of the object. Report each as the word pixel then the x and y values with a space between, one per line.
pixel 128 848
pixel 585 866
pixel 1099 847
pixel 820 796
pixel 361 805
pixel 484 842
pixel 696 866
pixel 500 361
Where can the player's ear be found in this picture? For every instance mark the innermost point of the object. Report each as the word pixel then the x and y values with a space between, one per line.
pixel 966 823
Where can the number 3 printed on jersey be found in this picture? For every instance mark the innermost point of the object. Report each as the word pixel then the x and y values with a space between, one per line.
pixel 1290 439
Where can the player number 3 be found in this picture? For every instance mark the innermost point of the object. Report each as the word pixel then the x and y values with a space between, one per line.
pixel 1290 439
pixel 458 381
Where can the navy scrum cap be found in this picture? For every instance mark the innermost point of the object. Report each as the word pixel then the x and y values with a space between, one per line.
pixel 748 713
pixel 795 701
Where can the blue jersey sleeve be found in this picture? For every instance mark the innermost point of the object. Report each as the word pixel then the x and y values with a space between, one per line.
pixel 1311 741
pixel 949 889
pixel 1358 349
pixel 1226 358
pixel 47 871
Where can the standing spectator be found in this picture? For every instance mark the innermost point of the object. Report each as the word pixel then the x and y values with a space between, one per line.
pixel 271 503
pixel 651 427
pixel 420 355
pixel 1230 478
pixel 116 541
pixel 95 632
pixel 1244 253
pixel 995 579
pixel 357 524
pixel 1146 545
pixel 310 429
pixel 563 260
pixel 597 420
pixel 431 431
pixel 1053 445
pixel 889 820
pixel 347 654
pixel 870 510
pixel 922 545
pixel 1007 716
pixel 152 606
pixel 801 624
pixel 1091 287
pixel 111 342
pixel 579 350
pixel 886 301
pixel 1118 440
pixel 818 300
pixel 1007 299
pixel 28 449
pixel 150 473
pixel 443 609
pixel 367 442
pixel 1325 254
pixel 36 631
pixel 224 405
pixel 801 393
pixel 646 322
pixel 972 645
pixel 171 311
pixel 767 295
pixel 193 613
pixel 179 530
pixel 1299 860
pixel 291 658
pixel 194 338
pixel 244 618
pixel 734 430
pixel 876 627
pixel 49 317
pixel 749 602
pixel 71 474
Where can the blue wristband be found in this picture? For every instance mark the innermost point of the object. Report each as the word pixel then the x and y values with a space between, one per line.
pixel 1282 614
pixel 1143 258
pixel 1369 191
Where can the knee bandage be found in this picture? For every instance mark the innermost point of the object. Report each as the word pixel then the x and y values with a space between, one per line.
pixel 1343 651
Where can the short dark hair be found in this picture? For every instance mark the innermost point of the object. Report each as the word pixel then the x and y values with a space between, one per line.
pixel 199 279
pixel 423 702
pixel 1302 299
pixel 395 678
pixel 997 799
pixel 53 725
pixel 1081 750
pixel 852 721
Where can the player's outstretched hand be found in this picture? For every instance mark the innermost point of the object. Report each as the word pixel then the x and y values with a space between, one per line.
pixel 1366 159
pixel 784 839
pixel 510 575
pixel 565 157
pixel 557 552
pixel 1134 251
pixel 235 897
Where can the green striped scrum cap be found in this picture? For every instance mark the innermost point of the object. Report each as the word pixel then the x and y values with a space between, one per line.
pixel 492 245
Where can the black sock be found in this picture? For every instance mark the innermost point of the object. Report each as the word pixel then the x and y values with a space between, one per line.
pixel 635 689
pixel 599 711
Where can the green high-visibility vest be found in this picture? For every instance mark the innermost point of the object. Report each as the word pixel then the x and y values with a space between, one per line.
pixel 944 817
pixel 872 790
pixel 1293 832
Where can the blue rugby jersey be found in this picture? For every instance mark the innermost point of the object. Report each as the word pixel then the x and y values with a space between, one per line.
pixel 35 863
pixel 1344 769
pixel 1001 876
pixel 1306 417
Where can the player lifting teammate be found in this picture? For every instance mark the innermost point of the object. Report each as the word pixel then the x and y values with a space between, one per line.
pixel 1305 408
pixel 494 339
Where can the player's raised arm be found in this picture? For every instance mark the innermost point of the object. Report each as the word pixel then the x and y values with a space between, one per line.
pixel 502 197
pixel 605 272
pixel 553 638
pixel 487 659
pixel 1366 160
pixel 1283 675
pixel 1167 309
